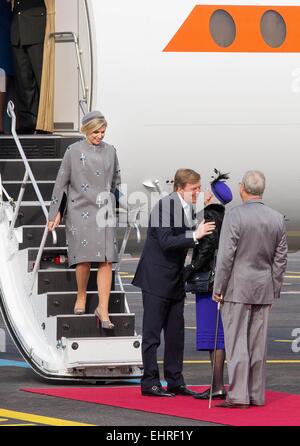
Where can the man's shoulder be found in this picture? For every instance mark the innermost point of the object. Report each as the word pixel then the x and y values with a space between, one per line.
pixel 274 214
pixel 262 208
pixel 167 205
pixel 234 211
pixel 168 199
pixel 171 196
pixel 247 208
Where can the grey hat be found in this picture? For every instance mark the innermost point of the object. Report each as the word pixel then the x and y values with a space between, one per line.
pixel 92 115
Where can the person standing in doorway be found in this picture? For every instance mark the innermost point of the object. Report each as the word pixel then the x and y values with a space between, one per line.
pixel 6 63
pixel 27 39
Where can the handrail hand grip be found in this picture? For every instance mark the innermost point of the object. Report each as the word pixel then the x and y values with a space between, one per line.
pixel 54 237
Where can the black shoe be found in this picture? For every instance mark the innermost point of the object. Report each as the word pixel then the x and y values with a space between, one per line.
pixel 156 391
pixel 42 132
pixel 182 390
pixel 205 395
pixel 26 131
pixel 228 405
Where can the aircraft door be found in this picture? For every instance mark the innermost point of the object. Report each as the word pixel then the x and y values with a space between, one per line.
pixel 72 79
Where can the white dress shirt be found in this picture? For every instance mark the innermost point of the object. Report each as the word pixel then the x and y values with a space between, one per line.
pixel 187 207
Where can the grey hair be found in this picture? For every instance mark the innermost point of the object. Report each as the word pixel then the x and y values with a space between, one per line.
pixel 254 182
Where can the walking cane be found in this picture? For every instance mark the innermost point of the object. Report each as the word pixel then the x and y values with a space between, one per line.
pixel 214 357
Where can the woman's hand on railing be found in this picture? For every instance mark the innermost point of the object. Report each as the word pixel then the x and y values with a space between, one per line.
pixel 53 224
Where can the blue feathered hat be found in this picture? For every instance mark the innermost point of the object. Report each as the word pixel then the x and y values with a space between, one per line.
pixel 220 189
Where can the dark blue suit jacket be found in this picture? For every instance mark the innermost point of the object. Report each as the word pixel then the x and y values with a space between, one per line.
pixel 28 22
pixel 160 269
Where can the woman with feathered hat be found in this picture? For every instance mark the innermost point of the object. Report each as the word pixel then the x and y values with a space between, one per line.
pixel 203 260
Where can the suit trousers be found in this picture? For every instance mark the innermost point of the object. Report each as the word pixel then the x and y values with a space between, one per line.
pixel 28 62
pixel 245 331
pixel 167 315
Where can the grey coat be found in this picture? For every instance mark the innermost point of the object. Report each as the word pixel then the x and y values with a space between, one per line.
pixel 252 254
pixel 89 175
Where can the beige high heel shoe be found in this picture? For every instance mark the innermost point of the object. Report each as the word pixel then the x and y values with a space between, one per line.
pixel 104 324
pixel 79 309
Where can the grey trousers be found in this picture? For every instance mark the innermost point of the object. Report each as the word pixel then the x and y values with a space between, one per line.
pixel 245 332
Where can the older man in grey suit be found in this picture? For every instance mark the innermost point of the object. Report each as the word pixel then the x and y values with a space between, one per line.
pixel 250 267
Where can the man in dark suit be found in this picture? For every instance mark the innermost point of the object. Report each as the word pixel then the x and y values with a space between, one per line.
pixel 27 39
pixel 160 276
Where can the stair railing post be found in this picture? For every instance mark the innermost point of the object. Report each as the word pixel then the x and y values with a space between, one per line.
pixel 132 223
pixel 18 205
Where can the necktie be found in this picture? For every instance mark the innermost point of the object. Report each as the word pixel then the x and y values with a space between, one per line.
pixel 188 209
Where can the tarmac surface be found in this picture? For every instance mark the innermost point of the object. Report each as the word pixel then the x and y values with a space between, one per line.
pixel 283 366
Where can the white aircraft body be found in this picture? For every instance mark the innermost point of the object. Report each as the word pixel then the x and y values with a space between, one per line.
pixel 170 103
pixel 168 109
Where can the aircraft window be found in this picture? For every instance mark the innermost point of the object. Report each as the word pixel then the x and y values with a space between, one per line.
pixel 222 28
pixel 273 28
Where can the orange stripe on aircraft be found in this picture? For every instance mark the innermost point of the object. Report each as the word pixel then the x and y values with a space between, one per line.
pixel 194 35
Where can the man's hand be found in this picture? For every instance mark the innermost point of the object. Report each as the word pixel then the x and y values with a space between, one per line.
pixel 205 229
pixel 219 298
pixel 53 224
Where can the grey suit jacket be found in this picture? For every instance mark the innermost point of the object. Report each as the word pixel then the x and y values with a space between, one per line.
pixel 252 254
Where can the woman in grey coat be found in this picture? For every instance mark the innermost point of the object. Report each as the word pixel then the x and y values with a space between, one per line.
pixel 89 175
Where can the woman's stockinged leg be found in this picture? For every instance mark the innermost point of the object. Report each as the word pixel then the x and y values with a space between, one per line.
pixel 82 278
pixel 218 383
pixel 104 279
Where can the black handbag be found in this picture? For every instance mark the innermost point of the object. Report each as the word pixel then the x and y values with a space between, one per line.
pixel 201 281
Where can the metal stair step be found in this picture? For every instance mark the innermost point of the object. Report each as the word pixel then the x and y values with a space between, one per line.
pixel 92 353
pixel 31 213
pixel 32 236
pixel 45 187
pixel 50 253
pixel 87 327
pixel 43 169
pixel 63 303
pixel 36 146
pixel 52 280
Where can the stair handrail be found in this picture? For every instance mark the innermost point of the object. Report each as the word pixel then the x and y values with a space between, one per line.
pixel 75 39
pixel 28 174
pixel 133 215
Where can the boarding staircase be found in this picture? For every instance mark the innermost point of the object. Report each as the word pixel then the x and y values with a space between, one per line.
pixel 38 296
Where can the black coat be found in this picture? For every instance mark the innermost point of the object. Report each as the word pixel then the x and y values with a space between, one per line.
pixel 28 22
pixel 204 252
